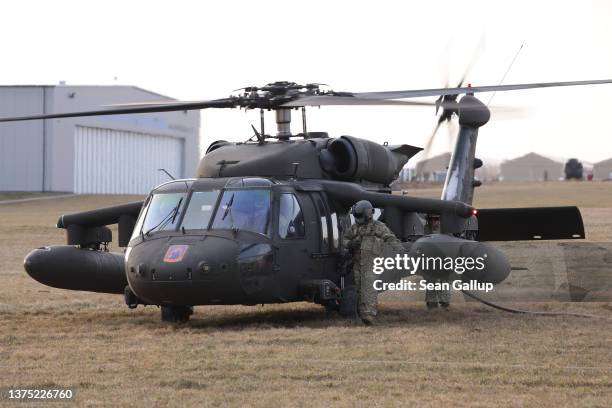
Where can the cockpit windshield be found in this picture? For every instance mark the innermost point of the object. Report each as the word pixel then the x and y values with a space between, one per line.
pixel 242 209
pixel 163 212
pixel 200 210
pixel 247 210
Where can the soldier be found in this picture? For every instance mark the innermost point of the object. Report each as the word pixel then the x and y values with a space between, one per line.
pixel 434 297
pixel 365 240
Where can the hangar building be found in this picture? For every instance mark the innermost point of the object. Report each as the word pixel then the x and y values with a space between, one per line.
pixel 603 170
pixel 433 170
pixel 531 167
pixel 117 154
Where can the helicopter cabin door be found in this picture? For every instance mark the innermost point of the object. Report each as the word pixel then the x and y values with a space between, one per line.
pixel 292 241
pixel 326 258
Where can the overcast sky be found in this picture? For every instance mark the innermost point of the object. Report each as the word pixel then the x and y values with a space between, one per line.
pixel 200 50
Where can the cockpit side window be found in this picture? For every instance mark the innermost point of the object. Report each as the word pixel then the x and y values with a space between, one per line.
pixel 141 217
pixel 247 210
pixel 290 217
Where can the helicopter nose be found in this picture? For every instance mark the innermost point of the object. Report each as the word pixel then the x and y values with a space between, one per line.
pixel 187 259
pixel 185 270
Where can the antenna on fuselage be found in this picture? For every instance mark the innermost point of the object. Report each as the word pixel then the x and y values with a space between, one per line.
pixel 295 169
pixel 260 137
pixel 168 174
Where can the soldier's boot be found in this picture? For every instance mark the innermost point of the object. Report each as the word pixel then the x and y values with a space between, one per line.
pixel 431 299
pixel 444 298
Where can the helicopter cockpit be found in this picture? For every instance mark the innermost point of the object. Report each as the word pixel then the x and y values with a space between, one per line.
pixel 244 233
pixel 242 204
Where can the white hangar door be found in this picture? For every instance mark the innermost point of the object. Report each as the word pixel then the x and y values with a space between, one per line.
pixel 108 161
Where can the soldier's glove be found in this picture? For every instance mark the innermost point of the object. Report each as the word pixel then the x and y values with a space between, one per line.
pixel 354 244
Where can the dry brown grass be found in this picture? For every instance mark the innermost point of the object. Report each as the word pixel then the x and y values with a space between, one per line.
pixel 291 355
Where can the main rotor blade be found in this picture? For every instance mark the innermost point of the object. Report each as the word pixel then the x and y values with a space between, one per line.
pixel 427 150
pixel 463 90
pixel 331 100
pixel 151 103
pixel 475 56
pixel 139 108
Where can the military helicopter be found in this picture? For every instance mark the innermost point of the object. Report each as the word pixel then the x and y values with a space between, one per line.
pixel 573 169
pixel 262 220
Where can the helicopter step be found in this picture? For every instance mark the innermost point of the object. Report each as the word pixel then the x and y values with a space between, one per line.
pixel 319 290
pixel 332 297
pixel 323 292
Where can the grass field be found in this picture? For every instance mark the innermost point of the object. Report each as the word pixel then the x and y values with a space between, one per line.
pixel 292 355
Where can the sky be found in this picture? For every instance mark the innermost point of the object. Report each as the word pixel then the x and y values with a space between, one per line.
pixel 201 50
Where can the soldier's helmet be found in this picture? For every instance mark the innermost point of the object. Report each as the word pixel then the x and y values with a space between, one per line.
pixel 362 211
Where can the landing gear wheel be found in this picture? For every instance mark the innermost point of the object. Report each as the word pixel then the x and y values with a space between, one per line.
pixel 348 302
pixel 331 307
pixel 176 314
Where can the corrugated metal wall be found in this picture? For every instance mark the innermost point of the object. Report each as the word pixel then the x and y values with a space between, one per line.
pixel 110 161
pixel 21 143
pixel 603 170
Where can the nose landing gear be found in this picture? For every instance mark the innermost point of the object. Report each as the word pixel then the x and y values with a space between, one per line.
pixel 176 314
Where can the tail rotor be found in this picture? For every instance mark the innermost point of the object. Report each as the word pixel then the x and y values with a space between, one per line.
pixel 448 106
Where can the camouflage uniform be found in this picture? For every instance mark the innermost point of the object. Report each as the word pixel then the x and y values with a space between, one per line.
pixel 366 241
pixel 433 298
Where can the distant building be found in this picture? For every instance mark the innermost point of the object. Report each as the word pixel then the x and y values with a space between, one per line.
pixel 116 154
pixel 531 167
pixel 405 175
pixel 603 170
pixel 488 172
pixel 433 170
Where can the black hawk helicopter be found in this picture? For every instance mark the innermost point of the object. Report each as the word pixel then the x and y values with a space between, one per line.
pixel 573 169
pixel 262 220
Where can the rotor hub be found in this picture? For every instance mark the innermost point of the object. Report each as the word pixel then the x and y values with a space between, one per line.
pixel 272 96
